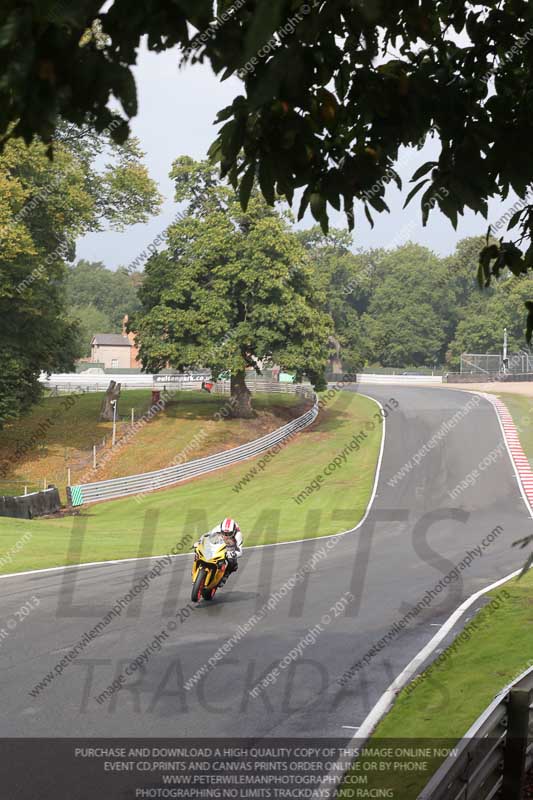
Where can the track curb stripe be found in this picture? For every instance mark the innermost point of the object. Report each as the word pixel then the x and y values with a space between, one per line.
pixel 523 474
pixel 511 437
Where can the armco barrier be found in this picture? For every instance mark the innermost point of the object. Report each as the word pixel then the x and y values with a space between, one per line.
pixel 149 481
pixel 83 382
pixel 27 506
pixel 73 383
pixel 492 759
pixel 398 379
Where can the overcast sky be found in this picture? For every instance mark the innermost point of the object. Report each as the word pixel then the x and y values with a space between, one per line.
pixel 176 112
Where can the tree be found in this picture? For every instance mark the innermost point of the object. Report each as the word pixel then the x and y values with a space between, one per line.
pixel 90 320
pixel 345 282
pixel 461 266
pixel 44 206
pixel 407 323
pixel 232 291
pixel 481 327
pixel 114 294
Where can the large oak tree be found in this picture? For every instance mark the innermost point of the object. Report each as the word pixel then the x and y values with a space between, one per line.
pixel 233 290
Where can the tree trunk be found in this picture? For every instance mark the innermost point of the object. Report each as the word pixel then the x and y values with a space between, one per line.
pixel 241 397
pixel 112 393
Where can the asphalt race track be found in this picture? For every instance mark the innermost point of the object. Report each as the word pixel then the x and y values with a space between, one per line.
pixel 414 535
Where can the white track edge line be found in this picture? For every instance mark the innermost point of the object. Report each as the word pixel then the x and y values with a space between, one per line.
pixel 386 700
pixel 251 547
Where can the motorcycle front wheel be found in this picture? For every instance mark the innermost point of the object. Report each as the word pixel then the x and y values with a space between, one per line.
pixel 198 585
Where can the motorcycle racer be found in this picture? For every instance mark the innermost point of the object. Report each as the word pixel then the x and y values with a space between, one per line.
pixel 231 532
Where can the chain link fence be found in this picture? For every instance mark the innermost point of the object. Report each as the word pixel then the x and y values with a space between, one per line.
pixel 493 363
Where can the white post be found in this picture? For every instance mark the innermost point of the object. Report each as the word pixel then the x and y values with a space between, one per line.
pixel 25 490
pixel 114 404
pixel 505 349
pixel 44 483
pixel 94 456
pixel 132 416
pixel 68 477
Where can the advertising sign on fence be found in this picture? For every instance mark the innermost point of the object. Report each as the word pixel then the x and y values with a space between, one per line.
pixel 185 378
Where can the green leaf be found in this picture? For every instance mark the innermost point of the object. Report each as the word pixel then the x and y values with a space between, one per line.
pixel 512 258
pixel 514 219
pixel 318 206
pixel 448 206
pixel 289 193
pixel 266 180
pixel 224 114
pixel 423 170
pixel 414 191
pixel 528 259
pixel 236 139
pixel 349 211
pixel 379 204
pixel 247 184
pixel 228 72
pixel 304 202
pixel 427 197
pixel 485 257
pixel 334 199
pixel 343 79
pixel 215 151
pixel 266 21
pixel 369 216
pixel 125 89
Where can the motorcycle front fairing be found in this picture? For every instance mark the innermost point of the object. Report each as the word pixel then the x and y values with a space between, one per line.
pixel 211 553
pixel 214 547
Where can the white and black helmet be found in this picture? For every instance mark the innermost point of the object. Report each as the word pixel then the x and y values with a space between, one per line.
pixel 229 527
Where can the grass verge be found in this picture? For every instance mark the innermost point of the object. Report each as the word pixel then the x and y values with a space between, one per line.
pixel 450 695
pixel 59 433
pixel 521 410
pixel 264 507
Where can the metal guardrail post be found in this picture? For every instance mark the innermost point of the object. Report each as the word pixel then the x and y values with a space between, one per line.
pixel 514 763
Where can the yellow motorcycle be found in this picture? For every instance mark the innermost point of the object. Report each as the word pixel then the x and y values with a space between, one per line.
pixel 209 566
